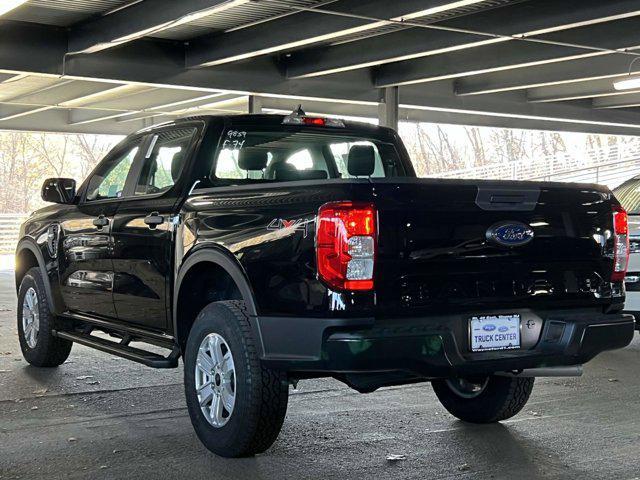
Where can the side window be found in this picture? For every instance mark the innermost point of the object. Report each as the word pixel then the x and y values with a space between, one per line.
pixel 164 160
pixel 109 181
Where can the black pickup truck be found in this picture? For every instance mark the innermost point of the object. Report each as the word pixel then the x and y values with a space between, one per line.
pixel 266 249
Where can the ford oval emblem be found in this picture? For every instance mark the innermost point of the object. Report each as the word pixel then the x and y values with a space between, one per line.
pixel 503 329
pixel 489 328
pixel 510 234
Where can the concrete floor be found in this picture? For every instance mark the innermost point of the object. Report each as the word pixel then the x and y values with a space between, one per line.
pixel 101 417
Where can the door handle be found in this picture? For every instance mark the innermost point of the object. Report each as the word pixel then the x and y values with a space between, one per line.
pixel 101 221
pixel 153 220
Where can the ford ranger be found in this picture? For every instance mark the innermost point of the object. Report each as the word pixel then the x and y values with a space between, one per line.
pixel 265 249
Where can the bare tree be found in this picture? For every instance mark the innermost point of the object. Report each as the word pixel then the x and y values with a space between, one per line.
pixel 90 149
pixel 53 150
pixel 477 145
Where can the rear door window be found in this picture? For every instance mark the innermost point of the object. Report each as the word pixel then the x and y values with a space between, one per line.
pixel 165 158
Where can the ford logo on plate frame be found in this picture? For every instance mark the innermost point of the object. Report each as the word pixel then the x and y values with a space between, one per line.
pixel 510 234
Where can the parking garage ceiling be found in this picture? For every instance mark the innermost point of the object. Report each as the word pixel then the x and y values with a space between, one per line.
pixel 113 66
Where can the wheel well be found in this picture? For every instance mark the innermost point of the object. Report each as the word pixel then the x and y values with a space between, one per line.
pixel 204 283
pixel 25 260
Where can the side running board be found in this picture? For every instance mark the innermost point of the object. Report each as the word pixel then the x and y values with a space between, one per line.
pixel 123 350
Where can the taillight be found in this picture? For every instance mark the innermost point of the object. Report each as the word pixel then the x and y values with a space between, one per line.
pixel 346 245
pixel 620 244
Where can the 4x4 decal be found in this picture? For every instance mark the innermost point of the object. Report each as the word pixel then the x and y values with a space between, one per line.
pixel 300 225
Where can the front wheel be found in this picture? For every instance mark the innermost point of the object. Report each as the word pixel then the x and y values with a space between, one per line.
pixel 237 405
pixel 484 400
pixel 36 324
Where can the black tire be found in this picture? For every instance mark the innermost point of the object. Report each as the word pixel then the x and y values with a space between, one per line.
pixel 49 351
pixel 261 394
pixel 501 398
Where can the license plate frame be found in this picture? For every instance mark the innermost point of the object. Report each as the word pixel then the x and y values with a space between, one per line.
pixel 493 333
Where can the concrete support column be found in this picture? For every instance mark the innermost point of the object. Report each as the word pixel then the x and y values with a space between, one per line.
pixel 388 107
pixel 255 104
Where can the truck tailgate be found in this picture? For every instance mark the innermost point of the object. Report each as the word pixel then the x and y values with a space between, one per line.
pixel 434 253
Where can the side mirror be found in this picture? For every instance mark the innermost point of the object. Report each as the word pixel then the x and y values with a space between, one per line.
pixel 59 190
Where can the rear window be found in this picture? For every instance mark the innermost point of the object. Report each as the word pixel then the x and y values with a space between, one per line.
pixel 628 194
pixel 255 156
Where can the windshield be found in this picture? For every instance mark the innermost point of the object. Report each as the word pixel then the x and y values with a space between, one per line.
pixel 255 156
pixel 628 194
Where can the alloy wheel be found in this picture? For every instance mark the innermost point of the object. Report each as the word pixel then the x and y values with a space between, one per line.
pixel 30 318
pixel 215 380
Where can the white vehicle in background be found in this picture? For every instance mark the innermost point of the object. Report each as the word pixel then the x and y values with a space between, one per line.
pixel 628 194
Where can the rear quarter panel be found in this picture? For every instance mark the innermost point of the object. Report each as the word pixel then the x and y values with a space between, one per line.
pixel 270 231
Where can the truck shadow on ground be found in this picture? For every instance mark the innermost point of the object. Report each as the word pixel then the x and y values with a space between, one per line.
pixel 506 453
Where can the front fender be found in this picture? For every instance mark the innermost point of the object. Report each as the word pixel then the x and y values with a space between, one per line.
pixel 48 270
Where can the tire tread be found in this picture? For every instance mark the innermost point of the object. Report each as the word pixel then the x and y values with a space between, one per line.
pixel 502 399
pixel 517 398
pixel 271 400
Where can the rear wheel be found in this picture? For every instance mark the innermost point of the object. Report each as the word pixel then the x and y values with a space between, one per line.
pixel 484 400
pixel 237 406
pixel 36 323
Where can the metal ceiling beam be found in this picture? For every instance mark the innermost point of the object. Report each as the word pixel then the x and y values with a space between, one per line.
pixel 355 88
pixel 306 28
pixel 157 64
pixel 59 94
pixel 522 19
pixel 618 101
pixel 487 59
pixel 7 77
pixel 220 103
pixel 177 108
pixel 11 112
pixel 565 73
pixel 56 120
pixel 84 117
pixel 41 47
pixel 254 104
pixel 600 67
pixel 620 34
pixel 141 19
pixel 162 65
pixel 543 113
pixel 63 93
pixel 262 77
pixel 408 113
pixel 575 91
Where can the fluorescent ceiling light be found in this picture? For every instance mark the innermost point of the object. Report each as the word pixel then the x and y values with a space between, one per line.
pixel 629 83
pixel 8 5
pixel 187 18
pixel 435 10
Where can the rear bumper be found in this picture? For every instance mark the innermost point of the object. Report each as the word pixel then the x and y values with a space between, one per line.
pixel 434 347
